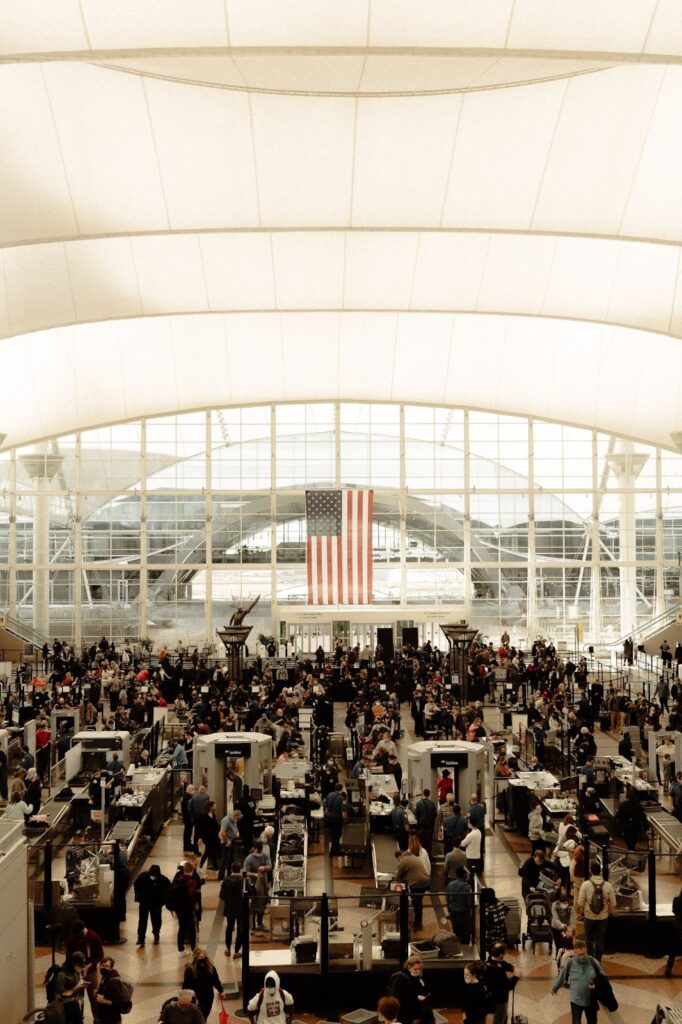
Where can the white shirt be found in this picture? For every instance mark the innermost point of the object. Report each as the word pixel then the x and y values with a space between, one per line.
pixel 272 1010
pixel 472 844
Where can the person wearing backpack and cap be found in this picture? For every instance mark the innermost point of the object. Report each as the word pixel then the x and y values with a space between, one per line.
pixel 272 1005
pixel 595 902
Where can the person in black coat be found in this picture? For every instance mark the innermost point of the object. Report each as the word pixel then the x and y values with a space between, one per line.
pixel 207 828
pixel 676 935
pixel 202 978
pixel 409 988
pixel 476 1001
pixel 150 890
pixel 232 895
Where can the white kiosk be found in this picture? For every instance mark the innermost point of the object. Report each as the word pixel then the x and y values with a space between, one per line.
pixel 469 764
pixel 237 758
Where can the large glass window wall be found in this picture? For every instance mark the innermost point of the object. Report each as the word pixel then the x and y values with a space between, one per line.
pixel 158 527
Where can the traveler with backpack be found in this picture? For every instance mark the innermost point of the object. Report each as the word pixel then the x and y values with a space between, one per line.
pixel 84 940
pixel 409 988
pixel 579 975
pixel 499 978
pixel 181 1009
pixel 477 1002
pixel 114 995
pixel 66 984
pixel 595 903
pixel 272 1005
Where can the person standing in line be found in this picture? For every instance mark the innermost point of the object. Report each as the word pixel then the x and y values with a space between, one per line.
pixel 202 978
pixel 337 812
pixel 595 903
pixel 187 822
pixel 477 818
pixel 476 1000
pixel 471 844
pixel 84 940
pixel 579 973
pixel 113 993
pixel 426 812
pixel 229 835
pixel 150 892
pixel 207 829
pixel 460 906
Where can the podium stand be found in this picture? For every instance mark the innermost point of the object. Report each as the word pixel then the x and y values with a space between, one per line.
pixel 234 638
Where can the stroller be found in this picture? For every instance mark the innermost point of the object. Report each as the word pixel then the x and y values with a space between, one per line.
pixel 539 924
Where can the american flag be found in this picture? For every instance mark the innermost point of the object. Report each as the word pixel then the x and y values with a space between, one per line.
pixel 339 546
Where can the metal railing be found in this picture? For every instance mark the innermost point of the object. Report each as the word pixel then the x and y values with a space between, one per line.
pixel 22 630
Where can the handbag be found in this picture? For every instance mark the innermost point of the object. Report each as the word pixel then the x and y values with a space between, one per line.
pixel 223 1016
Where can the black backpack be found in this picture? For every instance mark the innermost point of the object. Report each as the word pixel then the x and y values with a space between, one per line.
pixel 50 982
pixel 597 897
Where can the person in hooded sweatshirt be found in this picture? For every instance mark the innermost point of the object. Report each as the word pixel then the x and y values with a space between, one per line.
pixel 110 993
pixel 272 1005
pixel 150 889
pixel 580 972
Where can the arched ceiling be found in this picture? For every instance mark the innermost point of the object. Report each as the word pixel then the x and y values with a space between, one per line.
pixel 233 201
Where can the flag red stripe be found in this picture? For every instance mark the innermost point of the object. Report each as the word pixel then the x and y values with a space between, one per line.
pixel 349 548
pixel 359 544
pixel 339 576
pixel 370 579
pixel 330 579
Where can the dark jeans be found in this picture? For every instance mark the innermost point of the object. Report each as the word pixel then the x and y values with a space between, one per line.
pixel 148 913
pixel 188 829
pixel 336 829
pixel 594 937
pixel 187 930
pixel 212 853
pixel 226 858
pixel 461 926
pixel 417 894
pixel 230 925
pixel 589 1011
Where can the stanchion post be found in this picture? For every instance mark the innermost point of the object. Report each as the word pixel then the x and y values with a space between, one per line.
pixel 246 920
pixel 324 935
pixel 404 915
pixel 651 870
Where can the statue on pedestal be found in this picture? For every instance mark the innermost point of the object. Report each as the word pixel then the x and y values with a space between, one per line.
pixel 240 614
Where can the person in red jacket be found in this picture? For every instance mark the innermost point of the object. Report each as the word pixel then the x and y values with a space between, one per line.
pixel 84 940
pixel 445 785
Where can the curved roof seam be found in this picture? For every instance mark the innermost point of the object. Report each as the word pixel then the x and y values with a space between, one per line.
pixel 326 400
pixel 276 311
pixel 357 229
pixel 448 52
pixel 348 94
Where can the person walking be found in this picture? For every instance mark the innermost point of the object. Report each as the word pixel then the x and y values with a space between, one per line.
pixel 202 978
pixel 150 892
pixel 595 903
pixel 181 1009
pixel 579 973
pixel 500 978
pixel 675 949
pixel 185 903
pixel 231 893
pixel 229 836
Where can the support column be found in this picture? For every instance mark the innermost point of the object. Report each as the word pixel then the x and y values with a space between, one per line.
pixel 626 465
pixel 468 584
pixel 595 551
pixel 659 554
pixel 142 591
pixel 532 629
pixel 41 468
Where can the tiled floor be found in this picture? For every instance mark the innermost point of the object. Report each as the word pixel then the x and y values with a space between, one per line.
pixel 156 971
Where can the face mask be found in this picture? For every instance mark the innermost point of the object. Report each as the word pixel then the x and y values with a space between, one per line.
pixel 468 980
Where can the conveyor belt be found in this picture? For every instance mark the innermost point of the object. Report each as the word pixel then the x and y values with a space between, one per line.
pixel 666 826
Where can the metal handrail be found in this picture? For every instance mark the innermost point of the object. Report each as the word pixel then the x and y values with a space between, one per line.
pixel 649 627
pixel 22 630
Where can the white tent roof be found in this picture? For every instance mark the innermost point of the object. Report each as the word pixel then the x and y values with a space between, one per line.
pixel 418 201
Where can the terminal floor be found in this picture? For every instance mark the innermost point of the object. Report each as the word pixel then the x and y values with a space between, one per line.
pixel 156 971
